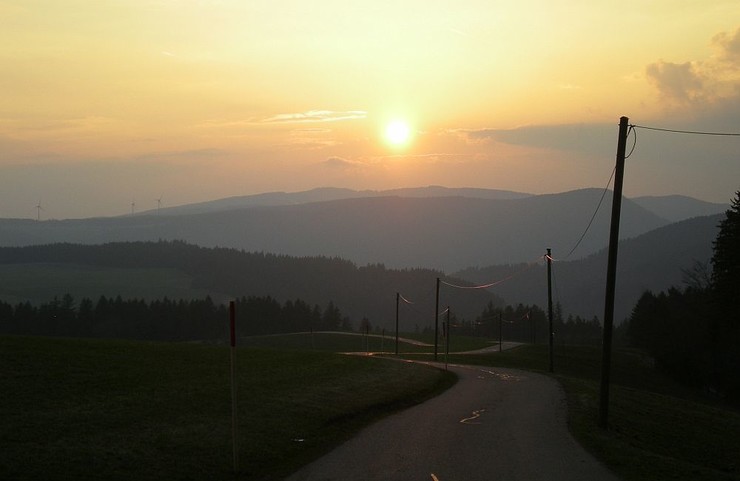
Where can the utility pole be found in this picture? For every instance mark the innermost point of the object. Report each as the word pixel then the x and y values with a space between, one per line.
pixel 500 331
pixel 611 275
pixel 232 336
pixel 398 296
pixel 436 322
pixel 549 307
pixel 447 337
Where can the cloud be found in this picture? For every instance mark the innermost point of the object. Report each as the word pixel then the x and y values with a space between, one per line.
pixel 316 116
pixel 703 87
pixel 728 46
pixel 592 139
pixel 340 163
pixel 678 82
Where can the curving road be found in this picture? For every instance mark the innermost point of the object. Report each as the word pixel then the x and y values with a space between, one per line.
pixel 494 424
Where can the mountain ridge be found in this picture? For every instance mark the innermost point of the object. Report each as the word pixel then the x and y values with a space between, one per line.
pixel 445 233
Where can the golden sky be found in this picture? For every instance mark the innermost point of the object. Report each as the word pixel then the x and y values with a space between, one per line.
pixel 105 102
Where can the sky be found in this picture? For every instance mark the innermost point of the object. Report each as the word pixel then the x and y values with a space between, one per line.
pixel 112 105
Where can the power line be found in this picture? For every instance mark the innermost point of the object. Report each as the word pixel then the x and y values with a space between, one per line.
pixel 634 144
pixel 404 299
pixel 494 283
pixel 598 206
pixel 688 132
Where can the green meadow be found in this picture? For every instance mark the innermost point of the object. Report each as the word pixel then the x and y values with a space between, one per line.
pixel 92 409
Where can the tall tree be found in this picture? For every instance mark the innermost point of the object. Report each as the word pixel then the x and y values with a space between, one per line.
pixel 726 290
pixel 726 259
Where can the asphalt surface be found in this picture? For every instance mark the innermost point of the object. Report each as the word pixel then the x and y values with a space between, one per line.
pixel 494 424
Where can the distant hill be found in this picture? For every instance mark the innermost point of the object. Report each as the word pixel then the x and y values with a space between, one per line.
pixel 177 268
pixel 325 194
pixel 678 207
pixel 651 261
pixel 444 233
pixel 673 208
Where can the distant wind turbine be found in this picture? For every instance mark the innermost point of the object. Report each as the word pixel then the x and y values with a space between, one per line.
pixel 159 204
pixel 133 205
pixel 38 211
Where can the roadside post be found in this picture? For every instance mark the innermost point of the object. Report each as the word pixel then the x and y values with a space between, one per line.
pixel 232 335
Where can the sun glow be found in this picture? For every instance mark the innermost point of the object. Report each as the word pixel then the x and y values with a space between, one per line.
pixel 398 133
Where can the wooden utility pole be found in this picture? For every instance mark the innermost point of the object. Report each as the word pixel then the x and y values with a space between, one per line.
pixel 436 322
pixel 447 337
pixel 500 332
pixel 611 275
pixel 549 308
pixel 398 296
pixel 232 335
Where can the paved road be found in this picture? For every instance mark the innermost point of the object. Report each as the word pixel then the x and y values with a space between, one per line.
pixel 494 424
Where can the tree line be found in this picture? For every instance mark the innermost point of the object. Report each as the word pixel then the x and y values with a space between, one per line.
pixel 362 291
pixel 166 319
pixel 202 319
pixel 529 323
pixel 693 333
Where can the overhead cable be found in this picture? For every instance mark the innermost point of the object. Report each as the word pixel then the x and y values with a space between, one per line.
pixel 494 283
pixel 689 132
pixel 596 211
pixel 404 299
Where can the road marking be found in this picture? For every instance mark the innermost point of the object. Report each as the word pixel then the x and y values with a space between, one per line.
pixel 503 377
pixel 476 415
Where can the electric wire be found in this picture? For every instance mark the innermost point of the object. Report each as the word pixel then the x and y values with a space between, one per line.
pixel 688 132
pixel 596 211
pixel 404 299
pixel 494 283
pixel 634 144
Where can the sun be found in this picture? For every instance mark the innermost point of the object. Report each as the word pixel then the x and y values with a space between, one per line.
pixel 398 133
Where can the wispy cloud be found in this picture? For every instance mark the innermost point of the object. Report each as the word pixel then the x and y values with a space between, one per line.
pixel 340 163
pixel 316 116
pixel 584 138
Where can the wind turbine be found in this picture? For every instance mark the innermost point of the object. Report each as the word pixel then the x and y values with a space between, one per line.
pixel 159 204
pixel 133 205
pixel 38 211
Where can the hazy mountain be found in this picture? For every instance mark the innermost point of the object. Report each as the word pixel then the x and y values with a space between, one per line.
pixel 651 261
pixel 678 207
pixel 328 194
pixel 672 208
pixel 447 233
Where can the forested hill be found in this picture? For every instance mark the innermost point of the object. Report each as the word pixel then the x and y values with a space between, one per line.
pixel 653 261
pixel 359 292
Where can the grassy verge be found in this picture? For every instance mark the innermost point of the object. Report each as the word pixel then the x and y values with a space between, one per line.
pixel 658 429
pixel 90 409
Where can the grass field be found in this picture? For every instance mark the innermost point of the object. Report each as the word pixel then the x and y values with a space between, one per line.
pixel 659 430
pixel 76 409
pixel 91 409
